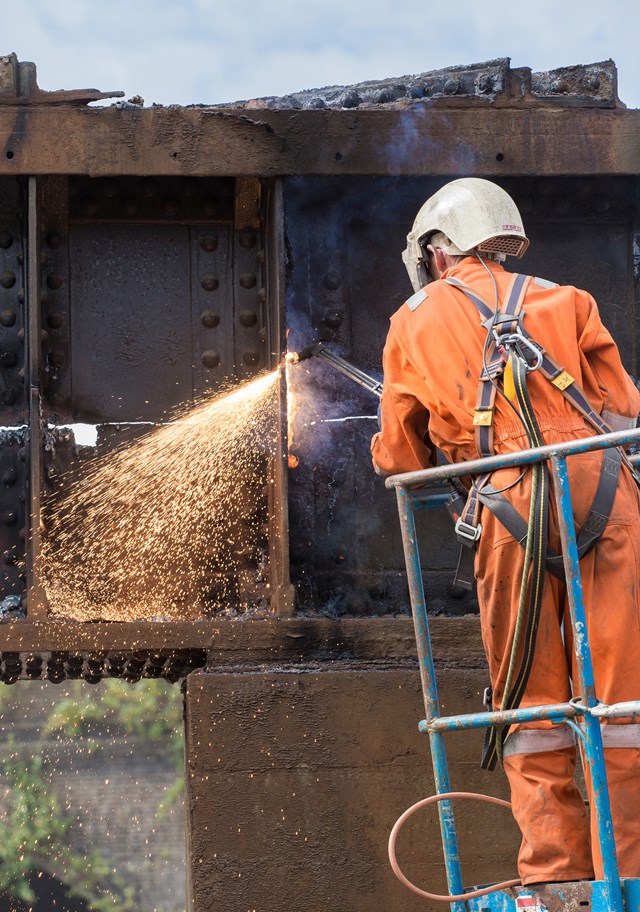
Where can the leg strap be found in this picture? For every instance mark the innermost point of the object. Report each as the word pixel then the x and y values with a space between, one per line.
pixel 594 526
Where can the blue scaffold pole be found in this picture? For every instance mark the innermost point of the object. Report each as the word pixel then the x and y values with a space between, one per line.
pixel 593 748
pixel 430 692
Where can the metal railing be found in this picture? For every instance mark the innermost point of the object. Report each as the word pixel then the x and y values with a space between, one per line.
pixel 412 495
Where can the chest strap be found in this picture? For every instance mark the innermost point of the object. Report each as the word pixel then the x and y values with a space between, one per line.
pixel 508 325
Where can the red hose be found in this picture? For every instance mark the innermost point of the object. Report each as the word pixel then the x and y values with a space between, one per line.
pixel 436 897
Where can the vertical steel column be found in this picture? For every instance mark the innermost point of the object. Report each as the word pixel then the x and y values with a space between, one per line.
pixel 283 597
pixel 429 690
pixel 36 600
pixel 593 736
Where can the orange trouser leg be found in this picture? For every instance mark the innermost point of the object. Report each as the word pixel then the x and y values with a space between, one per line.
pixel 611 584
pixel 546 801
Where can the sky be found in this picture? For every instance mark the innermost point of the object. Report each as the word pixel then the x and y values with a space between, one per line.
pixel 210 51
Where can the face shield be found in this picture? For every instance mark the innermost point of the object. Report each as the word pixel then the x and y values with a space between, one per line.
pixel 414 259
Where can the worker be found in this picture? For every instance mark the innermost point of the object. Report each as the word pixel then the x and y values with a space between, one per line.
pixel 480 361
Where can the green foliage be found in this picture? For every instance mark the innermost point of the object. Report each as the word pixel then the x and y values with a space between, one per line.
pixel 37 829
pixel 36 836
pixel 150 712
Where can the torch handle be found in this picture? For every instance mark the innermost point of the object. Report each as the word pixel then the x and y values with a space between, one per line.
pixel 349 370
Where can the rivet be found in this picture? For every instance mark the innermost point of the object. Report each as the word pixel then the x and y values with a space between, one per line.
pixel 331 281
pixel 9 557
pixel 54 281
pixel 210 205
pixel 209 243
pixel 333 318
pixel 93 678
pixel 247 238
pixel 484 84
pixel 22 534
pixel 56 357
pixel 53 240
pixel 55 320
pixel 6 240
pixel 7 318
pixel 209 318
pixel 8 279
pixel 262 296
pixel 260 257
pixel 248 318
pixel 210 358
pixel 55 677
pixel 9 477
pixel 9 517
pixel 8 396
pixel 8 359
pixel 350 100
pixel 131 206
pixel 251 357
pixel 209 282
pixel 44 336
pixel 20 296
pixel 247 280
pixel 21 374
pixel 21 334
pixel 170 206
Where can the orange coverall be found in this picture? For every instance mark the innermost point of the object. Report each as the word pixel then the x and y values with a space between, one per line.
pixel 432 363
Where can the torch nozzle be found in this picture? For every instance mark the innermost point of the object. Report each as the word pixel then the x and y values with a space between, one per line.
pixel 305 353
pixel 349 370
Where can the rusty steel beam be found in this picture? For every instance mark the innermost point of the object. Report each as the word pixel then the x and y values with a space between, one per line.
pixel 36 598
pixel 427 139
pixel 259 640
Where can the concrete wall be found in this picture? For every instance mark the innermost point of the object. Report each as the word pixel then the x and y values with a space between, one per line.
pixel 297 772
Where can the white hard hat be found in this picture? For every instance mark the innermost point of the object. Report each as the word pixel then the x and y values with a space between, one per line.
pixel 473 214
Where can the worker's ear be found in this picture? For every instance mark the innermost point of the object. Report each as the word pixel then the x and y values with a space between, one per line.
pixel 437 261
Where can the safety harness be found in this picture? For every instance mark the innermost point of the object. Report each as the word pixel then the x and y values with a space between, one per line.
pixel 510 355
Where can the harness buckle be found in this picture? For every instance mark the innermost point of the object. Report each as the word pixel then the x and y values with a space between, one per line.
pixel 466 533
pixel 525 348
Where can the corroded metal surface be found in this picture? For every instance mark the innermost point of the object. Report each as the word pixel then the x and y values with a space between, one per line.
pixel 495 81
pixel 18 85
pixel 419 140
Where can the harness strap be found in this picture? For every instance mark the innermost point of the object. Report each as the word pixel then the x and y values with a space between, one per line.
pixel 533 575
pixel 594 525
